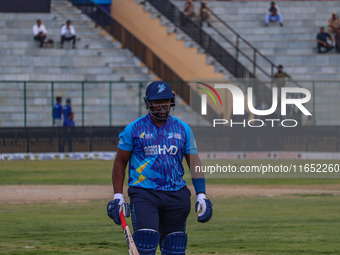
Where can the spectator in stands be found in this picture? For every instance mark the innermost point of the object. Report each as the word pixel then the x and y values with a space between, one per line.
pixel 333 24
pixel 39 32
pixel 204 13
pixel 69 121
pixel 57 112
pixel 273 14
pixel 67 108
pixel 189 9
pixel 68 33
pixel 280 77
pixel 323 45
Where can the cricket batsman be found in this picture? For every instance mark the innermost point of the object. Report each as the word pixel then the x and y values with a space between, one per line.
pixel 154 146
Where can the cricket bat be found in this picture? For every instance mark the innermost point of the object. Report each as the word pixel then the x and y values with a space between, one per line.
pixel 131 244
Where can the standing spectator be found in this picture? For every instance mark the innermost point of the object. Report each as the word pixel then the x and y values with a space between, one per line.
pixel 39 32
pixel 321 38
pixel 273 14
pixel 280 77
pixel 204 13
pixel 333 24
pixel 57 112
pixel 67 109
pixel 68 122
pixel 67 34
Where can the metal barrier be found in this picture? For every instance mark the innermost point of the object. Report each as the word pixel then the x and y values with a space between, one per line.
pixel 106 103
pixel 320 139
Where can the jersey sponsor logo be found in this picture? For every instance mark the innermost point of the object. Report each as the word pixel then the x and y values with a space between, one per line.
pixel 161 87
pixel 174 135
pixel 158 149
pixel 121 142
pixel 146 136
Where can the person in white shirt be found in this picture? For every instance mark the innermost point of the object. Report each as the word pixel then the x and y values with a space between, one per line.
pixel 39 32
pixel 67 34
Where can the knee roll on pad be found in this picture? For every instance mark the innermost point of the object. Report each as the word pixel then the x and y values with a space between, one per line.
pixel 146 241
pixel 174 244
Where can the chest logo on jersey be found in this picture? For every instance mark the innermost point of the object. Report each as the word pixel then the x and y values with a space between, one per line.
pixel 158 149
pixel 174 135
pixel 146 136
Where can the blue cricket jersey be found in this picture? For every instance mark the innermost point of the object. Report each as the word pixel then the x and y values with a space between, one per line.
pixel 57 110
pixel 67 109
pixel 157 152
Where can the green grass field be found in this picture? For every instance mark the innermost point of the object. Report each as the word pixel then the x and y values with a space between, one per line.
pixel 289 224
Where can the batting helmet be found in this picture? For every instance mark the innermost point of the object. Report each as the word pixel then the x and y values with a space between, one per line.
pixel 158 90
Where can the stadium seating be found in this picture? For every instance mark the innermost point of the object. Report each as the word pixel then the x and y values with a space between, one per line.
pixel 293 45
pixel 97 58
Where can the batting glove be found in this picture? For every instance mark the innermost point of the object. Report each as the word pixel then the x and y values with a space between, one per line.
pixel 204 208
pixel 115 206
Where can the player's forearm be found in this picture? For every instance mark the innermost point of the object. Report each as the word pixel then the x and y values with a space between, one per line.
pixel 195 165
pixel 118 176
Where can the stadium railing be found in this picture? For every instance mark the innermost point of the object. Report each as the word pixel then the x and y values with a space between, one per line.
pixel 224 139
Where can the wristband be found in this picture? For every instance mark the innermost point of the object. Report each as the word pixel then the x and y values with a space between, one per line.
pixel 199 185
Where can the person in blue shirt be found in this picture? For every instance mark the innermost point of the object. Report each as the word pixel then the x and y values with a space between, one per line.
pixel 57 111
pixel 67 109
pixel 154 146
pixel 69 121
pixel 323 45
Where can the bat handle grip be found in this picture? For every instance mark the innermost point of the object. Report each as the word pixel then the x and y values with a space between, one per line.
pixel 122 219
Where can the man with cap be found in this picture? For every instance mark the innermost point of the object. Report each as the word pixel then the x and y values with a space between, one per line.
pixel 281 76
pixel 333 24
pixel 67 109
pixel 154 145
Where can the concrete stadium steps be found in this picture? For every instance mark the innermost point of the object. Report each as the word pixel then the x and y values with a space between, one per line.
pixel 97 57
pixel 293 45
pixel 96 54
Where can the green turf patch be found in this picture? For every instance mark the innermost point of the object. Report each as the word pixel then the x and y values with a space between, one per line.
pixel 98 172
pixel 242 225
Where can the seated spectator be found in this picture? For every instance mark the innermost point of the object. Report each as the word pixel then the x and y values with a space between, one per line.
pixel 204 13
pixel 69 121
pixel 281 77
pixel 68 33
pixel 323 45
pixel 189 9
pixel 333 24
pixel 39 32
pixel 273 14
